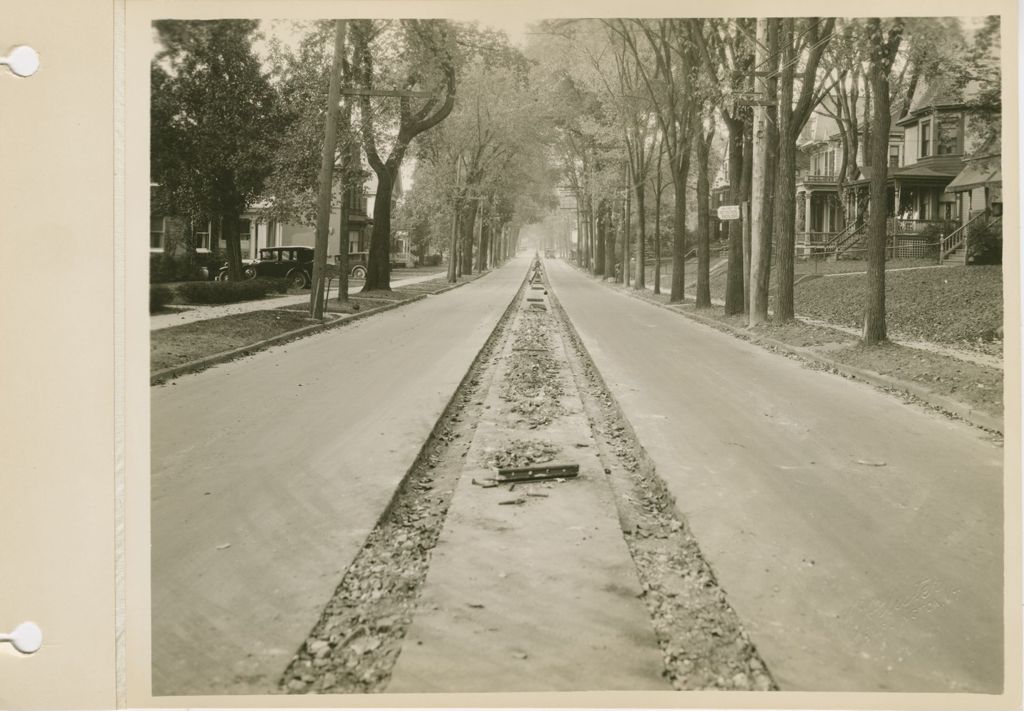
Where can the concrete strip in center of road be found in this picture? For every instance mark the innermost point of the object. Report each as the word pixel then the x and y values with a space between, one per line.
pixel 540 596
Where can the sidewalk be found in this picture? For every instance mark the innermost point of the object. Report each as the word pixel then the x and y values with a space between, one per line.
pixel 202 312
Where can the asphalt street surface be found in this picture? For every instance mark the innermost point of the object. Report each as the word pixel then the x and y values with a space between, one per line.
pixel 269 472
pixel 859 538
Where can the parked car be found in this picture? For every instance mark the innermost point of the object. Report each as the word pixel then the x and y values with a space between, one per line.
pixel 292 263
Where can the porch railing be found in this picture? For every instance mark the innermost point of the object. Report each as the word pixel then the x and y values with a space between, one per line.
pixel 819 178
pixel 896 226
pixel 813 242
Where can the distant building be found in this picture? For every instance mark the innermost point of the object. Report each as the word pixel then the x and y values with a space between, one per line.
pixel 171 235
pixel 938 180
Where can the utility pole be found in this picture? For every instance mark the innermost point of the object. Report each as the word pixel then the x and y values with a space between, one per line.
pixel 349 162
pixel 323 217
pixel 757 312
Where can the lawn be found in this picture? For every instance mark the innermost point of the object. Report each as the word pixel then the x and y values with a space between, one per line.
pixel 953 305
pixel 192 341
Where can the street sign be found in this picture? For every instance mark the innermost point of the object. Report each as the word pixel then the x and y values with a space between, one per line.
pixel 729 212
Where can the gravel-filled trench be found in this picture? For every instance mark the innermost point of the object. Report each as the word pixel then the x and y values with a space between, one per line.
pixel 355 644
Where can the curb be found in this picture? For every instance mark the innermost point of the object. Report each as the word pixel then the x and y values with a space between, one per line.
pixel 962 411
pixel 162 376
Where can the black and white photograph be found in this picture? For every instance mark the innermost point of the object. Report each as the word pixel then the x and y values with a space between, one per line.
pixel 615 353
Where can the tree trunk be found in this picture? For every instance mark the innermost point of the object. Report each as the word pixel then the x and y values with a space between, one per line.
pixel 703 298
pixel 468 230
pixel 882 54
pixel 734 276
pixel 628 223
pixel 746 181
pixel 657 228
pixel 679 234
pixel 784 215
pixel 230 224
pixel 641 257
pixel 216 232
pixel 592 235
pixel 613 231
pixel 378 262
pixel 485 237
pixel 343 227
pixel 602 236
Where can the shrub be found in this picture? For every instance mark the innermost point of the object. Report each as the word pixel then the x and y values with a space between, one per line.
pixel 159 296
pixel 431 260
pixel 223 292
pixel 165 267
pixel 275 285
pixel 985 246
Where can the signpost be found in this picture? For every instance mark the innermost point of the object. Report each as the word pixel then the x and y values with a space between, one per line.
pixel 729 212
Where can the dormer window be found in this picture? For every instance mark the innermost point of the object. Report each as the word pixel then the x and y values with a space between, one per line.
pixel 926 138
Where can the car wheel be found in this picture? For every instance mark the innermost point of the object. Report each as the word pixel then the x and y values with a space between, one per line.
pixel 359 272
pixel 297 280
pixel 250 272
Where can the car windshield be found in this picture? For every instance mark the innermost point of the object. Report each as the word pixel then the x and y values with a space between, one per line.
pixel 268 255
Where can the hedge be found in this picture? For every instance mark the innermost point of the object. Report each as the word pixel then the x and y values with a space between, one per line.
pixel 159 296
pixel 223 292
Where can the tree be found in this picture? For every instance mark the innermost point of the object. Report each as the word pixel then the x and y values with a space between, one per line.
pixel 729 49
pixel 214 119
pixel 704 130
pixel 793 112
pixel 883 44
pixel 423 58
pixel 670 89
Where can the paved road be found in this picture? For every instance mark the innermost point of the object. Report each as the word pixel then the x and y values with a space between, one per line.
pixel 269 472
pixel 859 538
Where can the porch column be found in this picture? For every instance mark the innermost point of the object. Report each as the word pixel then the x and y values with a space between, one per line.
pixel 807 212
pixel 896 207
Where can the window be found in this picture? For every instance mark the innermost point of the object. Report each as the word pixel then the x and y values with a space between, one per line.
pixel 926 138
pixel 201 234
pixel 353 242
pixel 356 200
pixel 894 155
pixel 244 230
pixel 947 134
pixel 830 168
pixel 156 232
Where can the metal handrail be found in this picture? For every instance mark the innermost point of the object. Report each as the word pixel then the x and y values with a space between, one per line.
pixel 955 239
pixel 833 243
pixel 846 243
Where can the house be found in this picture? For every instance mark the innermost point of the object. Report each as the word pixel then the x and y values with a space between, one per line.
pixel 171 235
